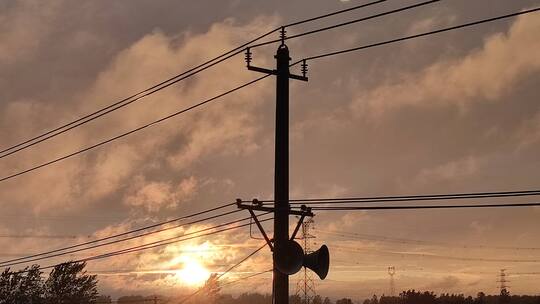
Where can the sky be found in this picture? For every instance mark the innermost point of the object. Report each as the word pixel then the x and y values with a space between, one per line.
pixel 454 112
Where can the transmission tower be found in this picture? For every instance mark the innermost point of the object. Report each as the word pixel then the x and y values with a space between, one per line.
pixel 305 287
pixel 392 272
pixel 503 286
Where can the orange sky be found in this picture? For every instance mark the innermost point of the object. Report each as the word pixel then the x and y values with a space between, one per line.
pixel 457 112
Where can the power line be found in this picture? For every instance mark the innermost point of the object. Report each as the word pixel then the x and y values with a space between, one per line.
pixel 419 35
pixel 152 245
pixel 160 243
pixel 334 13
pixel 225 272
pixel 36 236
pixel 131 99
pixel 405 198
pixel 435 256
pixel 246 277
pixel 371 237
pixel 159 120
pixel 351 208
pixel 160 86
pixel 155 122
pixel 347 23
pixel 42 257
pixel 121 234
pixel 242 261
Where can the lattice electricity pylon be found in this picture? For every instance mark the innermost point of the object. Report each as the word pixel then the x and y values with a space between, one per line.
pixel 503 282
pixel 305 287
pixel 392 272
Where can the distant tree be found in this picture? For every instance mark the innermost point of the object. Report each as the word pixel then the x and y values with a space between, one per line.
pixel 327 301
pixel 253 298
pixel 295 299
pixel 317 299
pixel 504 297
pixel 211 288
pixel 480 298
pixel 388 300
pixel 69 283
pixel 416 297
pixel 131 300
pixel 344 301
pixel 103 300
pixel 9 283
pixel 20 287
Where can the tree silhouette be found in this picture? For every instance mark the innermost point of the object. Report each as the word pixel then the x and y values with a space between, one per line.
pixel 69 283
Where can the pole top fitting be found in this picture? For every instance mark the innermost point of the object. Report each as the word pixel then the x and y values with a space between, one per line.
pixel 304 68
pixel 248 57
pixel 256 202
pixel 282 35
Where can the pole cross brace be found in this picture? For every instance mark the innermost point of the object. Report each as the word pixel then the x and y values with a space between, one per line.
pixel 268 241
pixel 258 206
pixel 274 72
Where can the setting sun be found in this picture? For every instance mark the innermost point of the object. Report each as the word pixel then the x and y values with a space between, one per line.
pixel 193 273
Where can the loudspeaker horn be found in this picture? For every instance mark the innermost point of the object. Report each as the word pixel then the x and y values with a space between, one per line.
pixel 318 261
pixel 290 259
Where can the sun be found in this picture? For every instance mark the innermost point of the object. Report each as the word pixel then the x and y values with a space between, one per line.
pixel 193 273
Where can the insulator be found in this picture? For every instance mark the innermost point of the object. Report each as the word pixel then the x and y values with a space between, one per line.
pixel 304 68
pixel 248 56
pixel 282 35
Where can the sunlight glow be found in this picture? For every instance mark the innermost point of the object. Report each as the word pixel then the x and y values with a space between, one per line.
pixel 190 263
pixel 193 273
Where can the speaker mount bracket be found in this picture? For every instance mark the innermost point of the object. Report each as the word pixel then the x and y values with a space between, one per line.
pixel 268 241
pixel 257 205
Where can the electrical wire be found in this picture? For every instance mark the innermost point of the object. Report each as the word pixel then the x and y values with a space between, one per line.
pixel 246 277
pixel 405 8
pixel 36 236
pixel 149 245
pixel 371 237
pixel 405 198
pixel 121 234
pixel 333 13
pixel 160 86
pixel 153 123
pixel 307 58
pixel 435 256
pixel 446 29
pixel 131 99
pixel 352 208
pixel 122 240
pixel 224 273
pixel 241 261
pixel 162 243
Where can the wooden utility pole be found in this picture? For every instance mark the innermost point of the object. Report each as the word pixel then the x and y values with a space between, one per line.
pixel 281 176
pixel 281 208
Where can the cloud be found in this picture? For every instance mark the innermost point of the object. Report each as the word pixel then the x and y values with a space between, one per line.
pixel 447 283
pixel 452 170
pixel 156 195
pixel 485 74
pixel 229 128
pixel 24 27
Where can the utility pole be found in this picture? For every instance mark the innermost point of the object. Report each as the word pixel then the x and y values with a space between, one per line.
pixel 281 176
pixel 280 244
